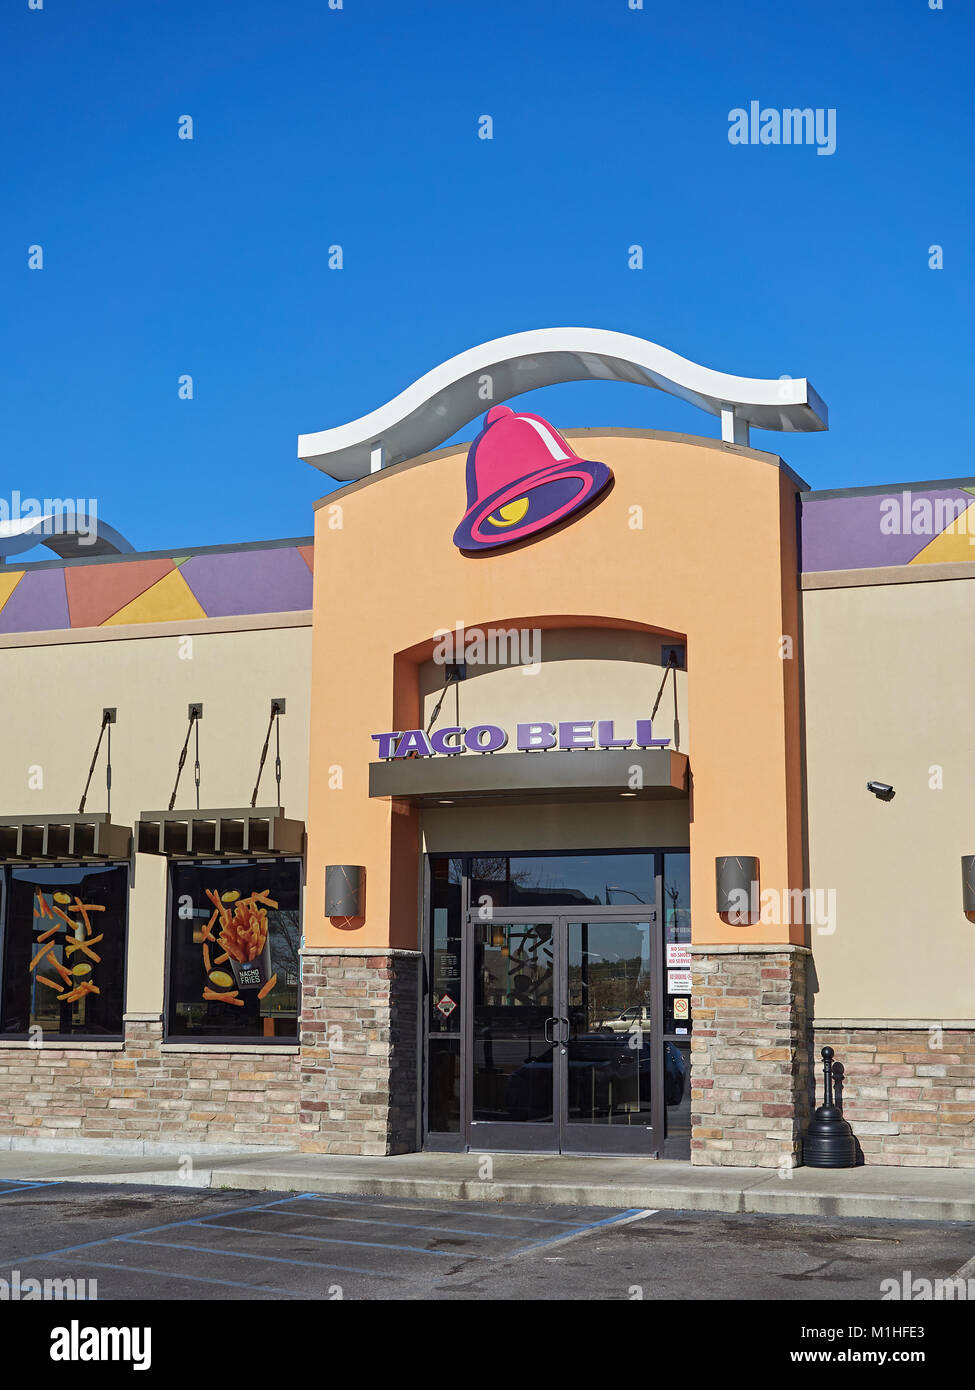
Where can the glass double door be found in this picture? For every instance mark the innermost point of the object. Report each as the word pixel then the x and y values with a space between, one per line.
pixel 566 1046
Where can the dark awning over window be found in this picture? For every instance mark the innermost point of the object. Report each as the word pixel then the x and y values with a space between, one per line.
pixel 211 833
pixel 29 839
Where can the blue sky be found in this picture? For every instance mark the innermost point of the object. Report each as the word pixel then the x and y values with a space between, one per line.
pixel 359 127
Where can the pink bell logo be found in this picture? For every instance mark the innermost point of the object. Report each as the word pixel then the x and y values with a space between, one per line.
pixel 522 477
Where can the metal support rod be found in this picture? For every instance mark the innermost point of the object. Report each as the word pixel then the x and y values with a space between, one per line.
pixel 277 760
pixel 108 719
pixel 196 760
pixel 195 713
pixel 671 667
pixel 278 708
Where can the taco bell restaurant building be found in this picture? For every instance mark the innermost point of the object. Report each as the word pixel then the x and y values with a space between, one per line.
pixel 523 806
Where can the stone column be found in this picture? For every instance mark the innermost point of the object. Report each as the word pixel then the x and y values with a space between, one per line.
pixel 749 1055
pixel 359 1053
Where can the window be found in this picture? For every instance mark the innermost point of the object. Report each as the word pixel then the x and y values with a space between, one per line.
pixel 444 994
pixel 64 930
pixel 538 880
pixel 235 936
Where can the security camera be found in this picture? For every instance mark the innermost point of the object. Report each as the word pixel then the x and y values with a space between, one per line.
pixel 883 791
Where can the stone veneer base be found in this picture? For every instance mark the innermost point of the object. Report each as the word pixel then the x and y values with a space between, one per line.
pixel 909 1093
pixel 349 1088
pixel 359 1051
pixel 749 1055
pixel 145 1093
pixel 908 1087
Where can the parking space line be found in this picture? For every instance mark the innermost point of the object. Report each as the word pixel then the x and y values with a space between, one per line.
pixel 193 1278
pixel 368 1221
pixel 396 1206
pixel 153 1230
pixel 335 1240
pixel 24 1186
pixel 624 1218
pixel 241 1255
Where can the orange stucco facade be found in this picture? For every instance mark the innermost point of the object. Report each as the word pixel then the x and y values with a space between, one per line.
pixel 696 539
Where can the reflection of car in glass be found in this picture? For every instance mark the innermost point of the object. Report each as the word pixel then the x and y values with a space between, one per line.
pixel 596 1062
pixel 636 1016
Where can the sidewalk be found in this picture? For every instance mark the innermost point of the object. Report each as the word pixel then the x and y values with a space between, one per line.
pixel 925 1194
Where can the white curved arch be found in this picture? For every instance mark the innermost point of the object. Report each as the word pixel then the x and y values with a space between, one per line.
pixel 72 534
pixel 451 395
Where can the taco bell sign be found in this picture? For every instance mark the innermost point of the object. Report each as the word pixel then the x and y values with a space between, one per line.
pixel 567 736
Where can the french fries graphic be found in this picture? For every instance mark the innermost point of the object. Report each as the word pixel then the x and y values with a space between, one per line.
pixel 242 940
pixel 77 937
pixel 243 932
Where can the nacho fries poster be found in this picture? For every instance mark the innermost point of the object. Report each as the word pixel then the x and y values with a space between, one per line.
pixel 236 947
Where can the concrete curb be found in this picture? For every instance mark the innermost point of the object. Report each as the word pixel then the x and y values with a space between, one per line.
pixel 757 1200
pixel 915 1194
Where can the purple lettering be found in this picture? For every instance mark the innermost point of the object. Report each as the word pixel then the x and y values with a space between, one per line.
pixel 576 734
pixel 386 742
pixel 645 738
pixel 495 738
pixel 606 735
pixel 414 741
pixel 439 740
pixel 536 736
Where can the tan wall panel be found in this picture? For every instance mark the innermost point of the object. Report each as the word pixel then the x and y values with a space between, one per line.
pixel 578 674
pixel 52 700
pixel 889 676
pixel 145 967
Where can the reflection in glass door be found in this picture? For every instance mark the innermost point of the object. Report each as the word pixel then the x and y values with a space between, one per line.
pixel 513 1097
pixel 611 983
pixel 565 1052
pixel 558 1002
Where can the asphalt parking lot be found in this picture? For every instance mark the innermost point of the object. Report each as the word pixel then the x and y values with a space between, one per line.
pixel 147 1243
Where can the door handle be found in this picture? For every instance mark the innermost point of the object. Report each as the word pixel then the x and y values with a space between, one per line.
pixel 548 1023
pixel 568 1029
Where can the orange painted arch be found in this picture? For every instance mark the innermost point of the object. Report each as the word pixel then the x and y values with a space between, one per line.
pixel 696 540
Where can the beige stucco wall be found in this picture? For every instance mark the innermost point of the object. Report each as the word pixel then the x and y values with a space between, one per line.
pixel 573 673
pixel 52 695
pixel 889 681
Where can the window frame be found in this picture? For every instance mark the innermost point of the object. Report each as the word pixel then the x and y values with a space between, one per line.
pixel 65 1039
pixel 452 1141
pixel 230 1040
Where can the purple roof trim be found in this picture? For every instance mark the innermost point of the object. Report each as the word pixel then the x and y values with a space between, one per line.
pixel 38 604
pixel 843 533
pixel 249 581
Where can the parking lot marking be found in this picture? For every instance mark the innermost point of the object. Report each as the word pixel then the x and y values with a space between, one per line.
pixel 340 1210
pixel 23 1186
pixel 335 1240
pixel 400 1206
pixel 242 1255
pixel 623 1219
pixel 193 1278
pixel 406 1225
pixel 152 1230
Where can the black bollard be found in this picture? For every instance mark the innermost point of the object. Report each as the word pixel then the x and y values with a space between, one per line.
pixel 829 1141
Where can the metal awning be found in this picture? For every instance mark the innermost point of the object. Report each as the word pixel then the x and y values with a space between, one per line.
pixel 219 833
pixel 28 839
pixel 490 778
